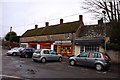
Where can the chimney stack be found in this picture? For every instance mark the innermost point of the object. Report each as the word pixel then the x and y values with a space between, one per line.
pixel 47 24
pixel 80 17
pixel 100 21
pixel 36 26
pixel 61 21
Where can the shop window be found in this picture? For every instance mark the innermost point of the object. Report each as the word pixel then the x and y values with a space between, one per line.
pixel 64 49
pixel 89 48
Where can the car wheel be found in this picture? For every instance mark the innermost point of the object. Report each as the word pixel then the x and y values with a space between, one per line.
pixel 60 59
pixel 43 60
pixel 98 67
pixel 72 62
pixel 21 55
pixel 14 54
pixel 26 55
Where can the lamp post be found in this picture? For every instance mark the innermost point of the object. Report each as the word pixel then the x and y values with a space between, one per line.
pixel 10 38
pixel 104 18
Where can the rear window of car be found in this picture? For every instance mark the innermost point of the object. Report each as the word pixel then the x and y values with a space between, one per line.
pixel 97 55
pixel 30 50
pixel 107 56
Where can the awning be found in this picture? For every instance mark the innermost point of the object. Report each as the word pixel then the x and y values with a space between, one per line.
pixel 89 42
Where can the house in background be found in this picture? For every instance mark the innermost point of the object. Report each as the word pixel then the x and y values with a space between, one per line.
pixel 60 37
pixel 66 38
pixel 93 37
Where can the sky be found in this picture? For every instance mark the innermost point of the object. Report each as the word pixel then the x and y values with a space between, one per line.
pixel 24 14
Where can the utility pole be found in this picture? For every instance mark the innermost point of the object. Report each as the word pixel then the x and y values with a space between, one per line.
pixel 104 18
pixel 10 38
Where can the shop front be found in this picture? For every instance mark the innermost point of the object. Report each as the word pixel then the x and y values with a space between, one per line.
pixel 45 45
pixel 89 45
pixel 40 45
pixel 63 47
pixel 32 45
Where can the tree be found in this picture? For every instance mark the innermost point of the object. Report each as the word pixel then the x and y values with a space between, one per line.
pixel 12 37
pixel 112 10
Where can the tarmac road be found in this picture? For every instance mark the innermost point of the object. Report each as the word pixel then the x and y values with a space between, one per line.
pixel 26 68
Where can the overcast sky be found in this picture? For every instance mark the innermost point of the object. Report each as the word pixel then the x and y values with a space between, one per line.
pixel 24 14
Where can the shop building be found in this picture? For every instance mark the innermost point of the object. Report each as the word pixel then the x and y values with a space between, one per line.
pixel 69 38
pixel 59 37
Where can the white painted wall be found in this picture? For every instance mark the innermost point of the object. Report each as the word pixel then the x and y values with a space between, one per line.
pixel 52 47
pixel 38 46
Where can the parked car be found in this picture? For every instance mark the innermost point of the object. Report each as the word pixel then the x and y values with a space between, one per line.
pixel 44 55
pixel 14 51
pixel 27 52
pixel 98 60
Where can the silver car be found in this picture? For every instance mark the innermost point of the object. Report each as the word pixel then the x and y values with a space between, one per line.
pixel 92 59
pixel 14 51
pixel 44 55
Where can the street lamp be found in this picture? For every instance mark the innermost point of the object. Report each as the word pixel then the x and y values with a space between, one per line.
pixel 104 18
pixel 10 38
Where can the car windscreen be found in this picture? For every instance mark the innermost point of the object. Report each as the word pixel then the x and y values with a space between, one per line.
pixel 38 51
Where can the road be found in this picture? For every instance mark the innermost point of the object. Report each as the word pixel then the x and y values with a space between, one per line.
pixel 26 68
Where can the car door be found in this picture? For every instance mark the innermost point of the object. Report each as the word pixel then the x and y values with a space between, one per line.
pixel 47 55
pixel 54 55
pixel 81 59
pixel 91 59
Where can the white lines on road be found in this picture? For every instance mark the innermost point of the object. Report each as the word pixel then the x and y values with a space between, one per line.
pixel 10 76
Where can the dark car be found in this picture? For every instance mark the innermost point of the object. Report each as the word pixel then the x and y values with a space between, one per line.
pixel 27 52
pixel 98 60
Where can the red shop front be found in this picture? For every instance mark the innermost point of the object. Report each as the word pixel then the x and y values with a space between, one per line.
pixel 45 45
pixel 32 45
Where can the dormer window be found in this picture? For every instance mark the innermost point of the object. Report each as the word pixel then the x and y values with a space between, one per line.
pixel 67 36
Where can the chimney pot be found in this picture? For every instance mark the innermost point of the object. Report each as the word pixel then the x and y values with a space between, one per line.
pixel 80 17
pixel 36 26
pixel 47 24
pixel 100 21
pixel 61 21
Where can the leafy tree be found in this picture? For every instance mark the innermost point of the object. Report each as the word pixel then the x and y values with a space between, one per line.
pixel 12 36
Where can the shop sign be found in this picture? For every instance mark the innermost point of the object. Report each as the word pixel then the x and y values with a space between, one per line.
pixel 63 42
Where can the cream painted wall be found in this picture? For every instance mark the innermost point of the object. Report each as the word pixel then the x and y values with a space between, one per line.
pixel 77 50
pixel 24 44
pixel 101 49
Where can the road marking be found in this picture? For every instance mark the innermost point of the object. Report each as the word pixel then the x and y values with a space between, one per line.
pixel 10 76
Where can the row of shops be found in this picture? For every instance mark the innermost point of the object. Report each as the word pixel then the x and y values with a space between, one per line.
pixel 66 38
pixel 61 47
pixel 67 48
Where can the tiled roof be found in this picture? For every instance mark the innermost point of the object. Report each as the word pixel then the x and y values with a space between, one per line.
pixel 91 31
pixel 70 27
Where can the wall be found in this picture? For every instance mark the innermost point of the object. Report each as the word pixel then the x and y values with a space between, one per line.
pixel 54 37
pixel 115 56
pixel 77 50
